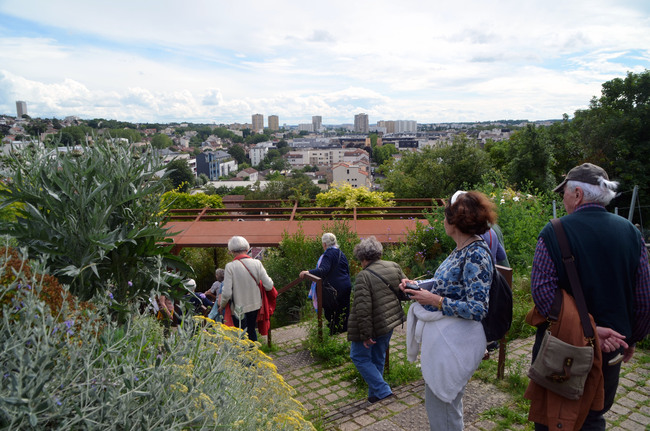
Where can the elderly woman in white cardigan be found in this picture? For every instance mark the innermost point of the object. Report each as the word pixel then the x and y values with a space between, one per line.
pixel 241 286
pixel 446 320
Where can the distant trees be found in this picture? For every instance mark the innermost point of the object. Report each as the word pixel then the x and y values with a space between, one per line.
pixel 180 175
pixel 238 153
pixel 437 172
pixel 161 141
pixel 615 131
pixel 530 158
pixel 382 154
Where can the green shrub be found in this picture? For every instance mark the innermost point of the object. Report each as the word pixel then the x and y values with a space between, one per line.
pixel 94 214
pixel 179 200
pixel 80 370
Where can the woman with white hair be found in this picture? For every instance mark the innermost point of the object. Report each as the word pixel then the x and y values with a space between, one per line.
pixel 333 268
pixel 241 286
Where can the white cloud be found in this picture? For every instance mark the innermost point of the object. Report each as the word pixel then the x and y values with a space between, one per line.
pixel 223 61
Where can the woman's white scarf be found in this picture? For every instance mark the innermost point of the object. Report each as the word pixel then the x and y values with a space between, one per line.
pixel 452 349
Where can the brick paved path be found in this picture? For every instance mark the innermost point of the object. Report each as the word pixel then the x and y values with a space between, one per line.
pixel 330 398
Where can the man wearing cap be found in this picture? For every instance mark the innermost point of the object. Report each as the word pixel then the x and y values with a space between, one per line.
pixel 612 264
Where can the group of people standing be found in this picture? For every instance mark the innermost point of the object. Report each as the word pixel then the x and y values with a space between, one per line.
pixel 445 319
pixel 444 322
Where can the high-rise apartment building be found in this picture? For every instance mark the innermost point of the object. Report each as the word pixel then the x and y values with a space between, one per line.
pixel 317 122
pixel 258 123
pixel 388 125
pixel 361 124
pixel 21 108
pixel 406 126
pixel 274 122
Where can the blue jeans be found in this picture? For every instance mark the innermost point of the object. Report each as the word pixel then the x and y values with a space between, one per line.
pixel 370 363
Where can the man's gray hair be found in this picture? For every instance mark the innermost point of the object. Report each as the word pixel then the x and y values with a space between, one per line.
pixel 603 193
pixel 368 249
pixel 238 244
pixel 329 239
pixel 219 274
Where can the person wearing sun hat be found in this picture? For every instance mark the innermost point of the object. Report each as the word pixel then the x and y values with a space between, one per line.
pixel 612 264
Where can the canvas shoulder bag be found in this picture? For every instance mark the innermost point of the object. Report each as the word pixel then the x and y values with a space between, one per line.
pixel 559 366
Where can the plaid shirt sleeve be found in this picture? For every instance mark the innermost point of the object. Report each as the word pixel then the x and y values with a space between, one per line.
pixel 642 298
pixel 543 279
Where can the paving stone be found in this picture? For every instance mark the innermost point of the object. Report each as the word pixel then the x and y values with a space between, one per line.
pixel 639 397
pixel 349 426
pixel 624 381
pixel 322 390
pixel 485 425
pixel 631 425
pixel 364 420
pixel 627 402
pixel 638 417
pixel 619 409
pixel 331 397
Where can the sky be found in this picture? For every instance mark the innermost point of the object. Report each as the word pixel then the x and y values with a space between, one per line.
pixel 220 61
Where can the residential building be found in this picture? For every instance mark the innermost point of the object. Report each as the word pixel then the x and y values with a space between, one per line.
pixel 356 157
pixel 306 127
pixel 215 164
pixel 274 122
pixel 257 153
pixel 355 175
pixel 361 123
pixel 317 123
pixel 258 123
pixel 388 125
pixel 21 108
pixel 249 173
pixel 406 126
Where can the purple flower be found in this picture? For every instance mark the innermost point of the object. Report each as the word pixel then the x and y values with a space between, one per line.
pixel 129 283
pixel 110 295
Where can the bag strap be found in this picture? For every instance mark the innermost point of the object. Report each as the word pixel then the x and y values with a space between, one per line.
pixel 249 271
pixel 574 280
pixel 382 279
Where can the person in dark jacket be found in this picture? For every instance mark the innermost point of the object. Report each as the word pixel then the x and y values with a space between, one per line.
pixel 333 268
pixel 612 263
pixel 376 310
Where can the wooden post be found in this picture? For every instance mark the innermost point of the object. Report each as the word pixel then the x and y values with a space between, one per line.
pixel 319 297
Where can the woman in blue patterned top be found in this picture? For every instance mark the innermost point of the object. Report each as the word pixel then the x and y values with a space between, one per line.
pixel 445 323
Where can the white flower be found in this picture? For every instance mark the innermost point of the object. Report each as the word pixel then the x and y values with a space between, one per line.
pixel 516 199
pixel 502 201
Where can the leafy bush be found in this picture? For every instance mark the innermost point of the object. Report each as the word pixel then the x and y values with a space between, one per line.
pixel 179 200
pixel 428 246
pixel 94 213
pixel 344 195
pixel 79 370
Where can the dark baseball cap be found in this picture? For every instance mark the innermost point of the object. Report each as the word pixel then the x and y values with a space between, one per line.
pixel 585 173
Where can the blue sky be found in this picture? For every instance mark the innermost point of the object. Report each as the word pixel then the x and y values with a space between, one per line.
pixel 222 61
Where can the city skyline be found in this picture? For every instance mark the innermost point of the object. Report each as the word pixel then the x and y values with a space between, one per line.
pixel 223 62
